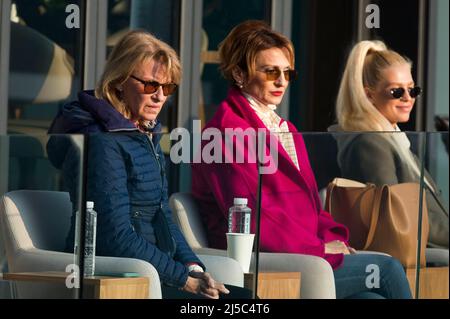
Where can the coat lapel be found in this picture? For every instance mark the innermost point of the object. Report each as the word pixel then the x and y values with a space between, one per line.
pixel 242 108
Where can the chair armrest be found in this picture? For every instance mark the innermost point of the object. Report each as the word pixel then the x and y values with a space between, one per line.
pixel 121 265
pixel 210 251
pixel 35 260
pixel 362 252
pixel 317 274
pixel 437 256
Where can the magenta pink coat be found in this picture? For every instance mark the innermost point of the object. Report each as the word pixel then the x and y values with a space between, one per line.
pixel 292 219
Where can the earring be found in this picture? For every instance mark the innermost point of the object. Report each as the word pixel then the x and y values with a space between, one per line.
pixel 119 92
pixel 240 85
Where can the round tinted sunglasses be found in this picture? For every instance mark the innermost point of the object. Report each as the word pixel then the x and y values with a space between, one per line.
pixel 397 93
pixel 152 86
pixel 274 74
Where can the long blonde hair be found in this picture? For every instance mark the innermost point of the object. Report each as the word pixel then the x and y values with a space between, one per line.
pixel 367 60
pixel 134 48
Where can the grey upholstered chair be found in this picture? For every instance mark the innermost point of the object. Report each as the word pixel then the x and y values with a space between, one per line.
pixel 317 274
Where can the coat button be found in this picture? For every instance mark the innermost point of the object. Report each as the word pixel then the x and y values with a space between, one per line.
pixel 136 214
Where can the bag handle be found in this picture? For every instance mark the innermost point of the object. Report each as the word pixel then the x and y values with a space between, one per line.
pixel 375 215
pixel 330 189
pixel 340 182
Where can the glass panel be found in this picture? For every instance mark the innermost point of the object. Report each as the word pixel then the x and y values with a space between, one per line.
pixel 36 216
pixel 377 198
pixel 45 63
pixel 212 182
pixel 219 17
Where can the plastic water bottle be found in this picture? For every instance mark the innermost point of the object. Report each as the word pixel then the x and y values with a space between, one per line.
pixel 239 217
pixel 90 236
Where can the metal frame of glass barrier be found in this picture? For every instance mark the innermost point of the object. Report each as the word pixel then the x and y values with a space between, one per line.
pixel 80 257
pixel 420 215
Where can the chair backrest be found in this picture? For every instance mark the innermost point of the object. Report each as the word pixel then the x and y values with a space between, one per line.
pixel 317 274
pixel 186 215
pixel 35 219
pixel 46 77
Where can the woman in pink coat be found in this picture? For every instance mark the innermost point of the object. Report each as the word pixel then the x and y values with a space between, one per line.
pixel 259 63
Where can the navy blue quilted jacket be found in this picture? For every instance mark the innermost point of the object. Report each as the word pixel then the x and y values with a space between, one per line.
pixel 126 181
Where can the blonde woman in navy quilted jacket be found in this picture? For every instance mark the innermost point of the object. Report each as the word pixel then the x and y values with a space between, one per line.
pixel 126 176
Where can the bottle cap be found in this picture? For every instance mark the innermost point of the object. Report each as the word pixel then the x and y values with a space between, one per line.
pixel 90 205
pixel 240 201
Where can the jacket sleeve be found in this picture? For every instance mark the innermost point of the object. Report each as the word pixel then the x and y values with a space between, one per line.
pixel 183 253
pixel 329 230
pixel 107 187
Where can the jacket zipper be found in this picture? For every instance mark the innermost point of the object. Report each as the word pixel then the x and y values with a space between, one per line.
pixel 156 156
pixel 161 171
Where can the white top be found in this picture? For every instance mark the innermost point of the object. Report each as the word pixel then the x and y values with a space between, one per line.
pixel 276 125
pixel 240 201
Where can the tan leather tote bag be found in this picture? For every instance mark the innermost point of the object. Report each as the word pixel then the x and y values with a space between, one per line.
pixel 381 218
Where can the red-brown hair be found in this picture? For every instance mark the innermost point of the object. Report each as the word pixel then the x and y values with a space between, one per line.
pixel 245 41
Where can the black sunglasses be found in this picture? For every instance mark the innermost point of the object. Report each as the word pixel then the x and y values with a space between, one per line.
pixel 274 74
pixel 397 93
pixel 152 86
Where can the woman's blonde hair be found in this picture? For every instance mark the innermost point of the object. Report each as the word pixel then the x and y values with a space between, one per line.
pixel 134 48
pixel 244 42
pixel 367 60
